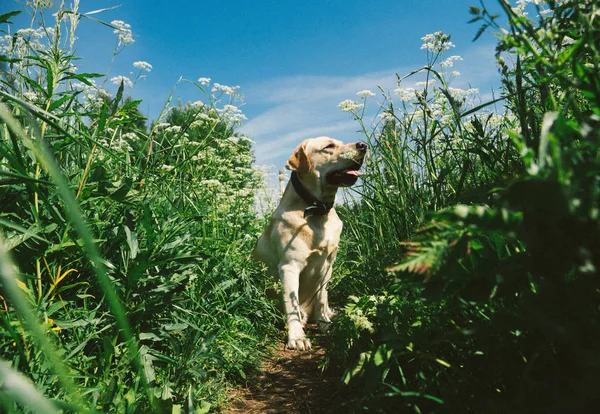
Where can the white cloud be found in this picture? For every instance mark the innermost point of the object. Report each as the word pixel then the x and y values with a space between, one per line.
pixel 267 151
pixel 299 107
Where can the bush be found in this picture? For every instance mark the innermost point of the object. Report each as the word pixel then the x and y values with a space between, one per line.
pixel 507 319
pixel 131 242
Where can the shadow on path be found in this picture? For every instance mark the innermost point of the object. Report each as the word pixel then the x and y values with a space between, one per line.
pixel 291 382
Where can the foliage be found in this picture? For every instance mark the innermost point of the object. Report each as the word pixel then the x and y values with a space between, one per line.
pixel 135 292
pixel 507 319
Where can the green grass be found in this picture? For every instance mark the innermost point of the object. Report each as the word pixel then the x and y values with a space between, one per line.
pixel 126 279
pixel 471 258
pixel 467 276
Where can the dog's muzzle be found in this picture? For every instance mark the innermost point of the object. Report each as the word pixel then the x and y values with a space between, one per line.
pixel 346 177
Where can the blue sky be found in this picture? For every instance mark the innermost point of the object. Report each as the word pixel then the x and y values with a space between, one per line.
pixel 294 61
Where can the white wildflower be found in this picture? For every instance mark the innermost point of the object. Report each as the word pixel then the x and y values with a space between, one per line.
pixel 430 82
pixel 141 65
pixel 436 42
pixel 232 114
pixel 406 95
pixel 227 90
pixel 449 62
pixel 365 93
pixel 244 138
pixel 31 33
pixel 200 119
pixel 173 128
pixel 30 96
pixel 361 321
pixel 455 73
pixel 42 4
pixel 350 106
pixel 78 85
pixel 166 167
pixel 210 183
pixel 124 79
pixel 204 81
pixel 102 93
pixel 387 116
pixel 463 95
pixel 123 30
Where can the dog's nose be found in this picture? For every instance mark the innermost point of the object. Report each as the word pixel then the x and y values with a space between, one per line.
pixel 361 146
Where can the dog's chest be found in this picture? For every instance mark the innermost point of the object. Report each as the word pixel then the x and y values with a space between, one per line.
pixel 323 248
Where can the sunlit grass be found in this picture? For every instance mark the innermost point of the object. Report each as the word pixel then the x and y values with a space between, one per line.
pixel 130 286
pixel 484 203
pixel 126 281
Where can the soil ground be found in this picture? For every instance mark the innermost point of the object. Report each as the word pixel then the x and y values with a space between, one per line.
pixel 291 382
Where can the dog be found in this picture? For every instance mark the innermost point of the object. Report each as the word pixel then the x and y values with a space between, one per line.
pixel 301 242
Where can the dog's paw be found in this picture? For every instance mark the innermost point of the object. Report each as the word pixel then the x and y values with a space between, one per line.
pixel 324 321
pixel 323 326
pixel 301 344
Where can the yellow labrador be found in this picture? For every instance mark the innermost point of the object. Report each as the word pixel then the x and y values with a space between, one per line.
pixel 301 241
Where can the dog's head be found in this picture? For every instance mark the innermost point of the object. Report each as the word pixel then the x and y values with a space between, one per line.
pixel 328 162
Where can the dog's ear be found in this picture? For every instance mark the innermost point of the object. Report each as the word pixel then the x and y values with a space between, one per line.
pixel 299 160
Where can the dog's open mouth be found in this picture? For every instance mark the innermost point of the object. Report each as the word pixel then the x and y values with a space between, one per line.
pixel 345 177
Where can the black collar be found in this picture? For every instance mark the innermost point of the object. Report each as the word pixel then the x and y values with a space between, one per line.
pixel 315 207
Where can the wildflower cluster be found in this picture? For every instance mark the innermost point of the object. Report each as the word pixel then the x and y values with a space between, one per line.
pixel 123 31
pixel 226 90
pixel 449 62
pixel 165 204
pixel 231 114
pixel 145 66
pixel 351 106
pixel 365 94
pixel 40 4
pixel 117 80
pixel 437 42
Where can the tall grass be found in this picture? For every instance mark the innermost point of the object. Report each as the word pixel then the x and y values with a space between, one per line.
pixel 495 209
pixel 126 282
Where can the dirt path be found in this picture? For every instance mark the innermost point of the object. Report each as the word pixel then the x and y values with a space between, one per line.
pixel 291 383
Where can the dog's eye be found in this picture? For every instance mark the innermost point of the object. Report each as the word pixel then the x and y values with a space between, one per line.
pixel 330 146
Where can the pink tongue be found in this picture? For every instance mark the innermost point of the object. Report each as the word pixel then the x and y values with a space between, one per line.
pixel 352 172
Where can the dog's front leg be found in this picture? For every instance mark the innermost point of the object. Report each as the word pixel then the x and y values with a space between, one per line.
pixel 289 274
pixel 322 311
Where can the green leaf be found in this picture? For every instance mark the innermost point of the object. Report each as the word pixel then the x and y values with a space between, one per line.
pixel 4 58
pixel 18 388
pixel 115 102
pixel 132 242
pixel 83 77
pixel 4 17
pixel 355 369
pixel 57 103
pixel 147 359
pixel 102 119
pixel 149 336
pixel 203 409
pixel 34 85
pixel 474 10
pixel 49 80
pixel 480 31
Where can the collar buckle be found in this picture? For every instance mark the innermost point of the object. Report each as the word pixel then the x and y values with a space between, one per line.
pixel 316 207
